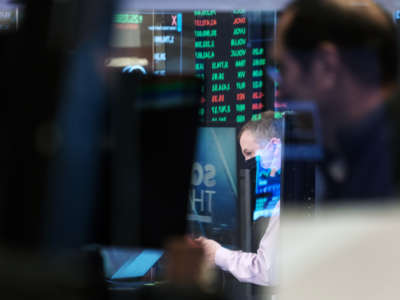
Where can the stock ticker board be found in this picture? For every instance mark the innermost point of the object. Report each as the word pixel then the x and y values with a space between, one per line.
pixel 231 54
pixel 228 50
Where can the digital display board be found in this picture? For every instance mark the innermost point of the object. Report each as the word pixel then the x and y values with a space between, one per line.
pixel 158 34
pixel 227 50
pixel 231 57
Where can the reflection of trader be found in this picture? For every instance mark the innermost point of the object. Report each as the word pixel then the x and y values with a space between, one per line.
pixel 256 138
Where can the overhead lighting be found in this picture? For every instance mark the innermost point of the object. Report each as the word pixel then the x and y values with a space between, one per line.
pixel 120 62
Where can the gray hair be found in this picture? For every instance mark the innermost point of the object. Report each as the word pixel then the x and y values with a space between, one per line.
pixel 263 129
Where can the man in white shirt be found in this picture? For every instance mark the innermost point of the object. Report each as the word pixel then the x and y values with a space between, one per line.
pixel 261 138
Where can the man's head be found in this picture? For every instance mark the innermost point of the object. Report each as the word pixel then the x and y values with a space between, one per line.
pixel 336 51
pixel 255 135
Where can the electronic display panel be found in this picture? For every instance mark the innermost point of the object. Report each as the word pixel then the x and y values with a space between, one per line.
pixel 132 267
pixel 228 50
pixel 267 188
pixel 213 195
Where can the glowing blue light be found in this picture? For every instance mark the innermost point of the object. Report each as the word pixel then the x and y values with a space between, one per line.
pixel 130 69
pixel 274 74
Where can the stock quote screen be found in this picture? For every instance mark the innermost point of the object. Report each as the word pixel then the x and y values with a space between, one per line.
pixel 228 50
pixel 231 57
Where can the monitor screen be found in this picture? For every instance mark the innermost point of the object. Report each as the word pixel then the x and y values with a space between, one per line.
pixel 213 196
pixel 154 125
pixel 267 189
pixel 123 264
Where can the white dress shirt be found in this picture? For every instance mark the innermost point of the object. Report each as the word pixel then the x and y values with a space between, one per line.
pixel 257 268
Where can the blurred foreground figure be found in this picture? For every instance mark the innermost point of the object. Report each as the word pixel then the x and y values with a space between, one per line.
pixel 345 254
pixel 343 56
pixel 185 263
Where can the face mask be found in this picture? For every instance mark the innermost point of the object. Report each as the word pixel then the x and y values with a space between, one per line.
pixel 250 163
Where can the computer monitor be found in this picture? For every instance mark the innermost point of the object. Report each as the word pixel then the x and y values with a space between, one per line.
pixel 213 197
pixel 126 265
pixel 154 123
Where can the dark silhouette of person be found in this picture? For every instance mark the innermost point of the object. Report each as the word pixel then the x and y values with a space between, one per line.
pixel 343 56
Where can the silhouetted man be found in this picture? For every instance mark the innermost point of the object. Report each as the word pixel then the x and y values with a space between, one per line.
pixel 343 56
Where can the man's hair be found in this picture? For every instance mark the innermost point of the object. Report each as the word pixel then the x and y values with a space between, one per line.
pixel 367 43
pixel 263 129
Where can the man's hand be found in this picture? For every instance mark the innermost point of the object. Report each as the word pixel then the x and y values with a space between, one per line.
pixel 210 248
pixel 185 260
